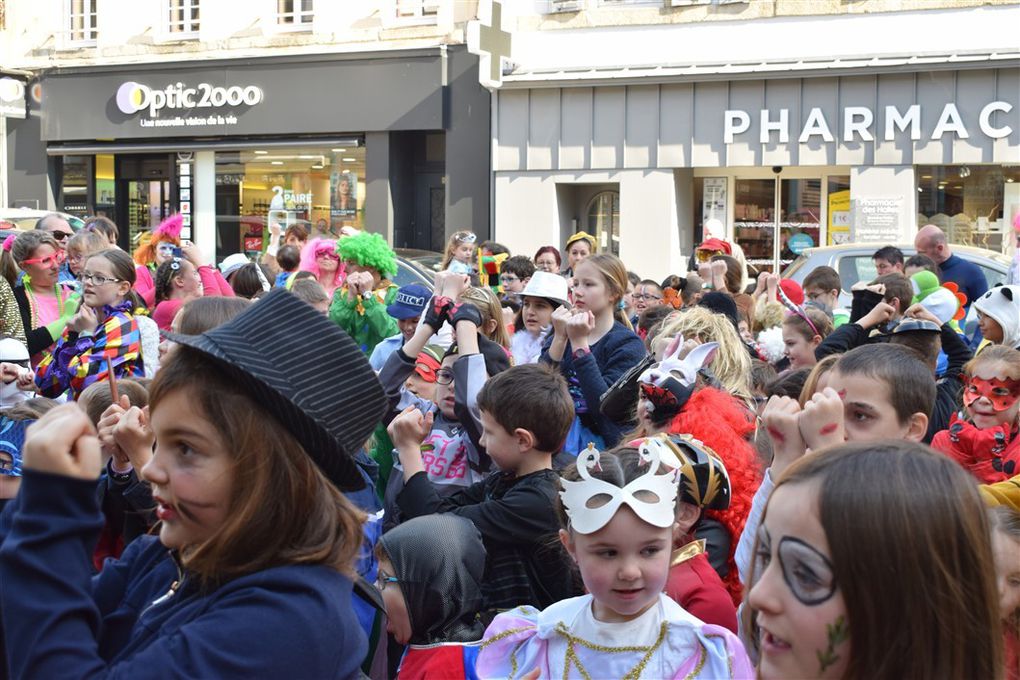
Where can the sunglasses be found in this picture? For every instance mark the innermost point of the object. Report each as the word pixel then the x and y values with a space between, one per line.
pixel 60 235
pixel 48 261
pixel 328 255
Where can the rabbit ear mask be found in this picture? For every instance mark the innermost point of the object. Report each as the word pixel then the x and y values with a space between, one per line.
pixel 670 383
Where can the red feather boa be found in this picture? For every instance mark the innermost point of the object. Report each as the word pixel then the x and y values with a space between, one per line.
pixel 724 425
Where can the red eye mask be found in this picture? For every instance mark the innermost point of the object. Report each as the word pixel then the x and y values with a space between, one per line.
pixel 1002 393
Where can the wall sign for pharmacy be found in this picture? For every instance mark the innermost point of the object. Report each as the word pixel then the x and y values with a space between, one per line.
pixel 181 105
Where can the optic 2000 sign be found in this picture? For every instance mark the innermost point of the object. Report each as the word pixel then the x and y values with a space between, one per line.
pixel 133 97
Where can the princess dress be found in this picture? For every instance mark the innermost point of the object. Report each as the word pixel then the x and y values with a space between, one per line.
pixel 566 641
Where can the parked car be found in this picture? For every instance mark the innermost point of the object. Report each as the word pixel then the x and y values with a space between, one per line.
pixel 853 262
pixel 417 266
pixel 24 219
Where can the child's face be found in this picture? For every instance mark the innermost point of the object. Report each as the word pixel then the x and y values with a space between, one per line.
pixel 799 350
pixel 745 331
pixel 421 387
pixel 590 292
pixel 645 297
pixel 511 282
pixel 624 565
pixel 398 622
pixel 868 412
pixel 578 251
pixel 505 448
pixel 191 472
pixel 445 393
pixel 546 262
pixel 190 282
pixel 983 412
pixel 408 326
pixel 536 313
pixel 1007 568
pixel 990 328
pixel 463 252
pixel 96 295
pixel 829 298
pixel 802 626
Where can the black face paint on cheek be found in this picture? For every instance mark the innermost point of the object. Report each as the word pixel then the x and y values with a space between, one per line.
pixel 838 633
pixel 807 572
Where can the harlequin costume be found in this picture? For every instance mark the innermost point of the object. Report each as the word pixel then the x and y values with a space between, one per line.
pixel 365 318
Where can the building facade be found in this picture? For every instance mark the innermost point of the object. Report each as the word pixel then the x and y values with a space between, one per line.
pixel 242 115
pixel 793 124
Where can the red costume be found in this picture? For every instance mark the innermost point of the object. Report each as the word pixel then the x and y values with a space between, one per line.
pixel 695 586
pixel 991 455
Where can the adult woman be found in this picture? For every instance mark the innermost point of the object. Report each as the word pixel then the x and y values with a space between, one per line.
pixel 319 257
pixel 579 246
pixel 45 306
pixel 547 259
pixel 153 252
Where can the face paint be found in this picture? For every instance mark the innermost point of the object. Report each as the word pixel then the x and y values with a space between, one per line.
pixel 1003 393
pixel 839 633
pixel 807 572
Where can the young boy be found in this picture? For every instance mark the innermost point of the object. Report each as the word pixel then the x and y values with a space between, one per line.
pixel 822 287
pixel 526 413
pixel 880 302
pixel 406 309
pixel 879 391
pixel 515 272
pixel 288 259
pixel 647 294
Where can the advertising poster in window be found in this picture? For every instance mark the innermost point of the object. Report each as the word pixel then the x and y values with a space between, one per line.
pixel 343 195
pixel 839 217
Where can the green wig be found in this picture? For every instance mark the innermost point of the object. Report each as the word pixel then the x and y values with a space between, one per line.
pixel 368 250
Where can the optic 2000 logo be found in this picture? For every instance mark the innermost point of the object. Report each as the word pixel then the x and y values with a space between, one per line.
pixel 133 97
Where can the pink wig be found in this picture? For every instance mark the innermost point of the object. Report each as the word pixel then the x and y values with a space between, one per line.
pixel 312 250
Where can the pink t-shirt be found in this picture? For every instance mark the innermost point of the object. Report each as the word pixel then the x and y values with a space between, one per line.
pixel 47 308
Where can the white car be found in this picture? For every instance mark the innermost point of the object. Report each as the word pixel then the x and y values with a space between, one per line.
pixel 24 219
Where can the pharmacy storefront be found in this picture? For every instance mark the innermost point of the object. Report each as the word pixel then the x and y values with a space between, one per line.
pixel 239 145
pixel 784 163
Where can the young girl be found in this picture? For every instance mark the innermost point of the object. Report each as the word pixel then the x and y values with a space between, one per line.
pixel 181 279
pixel 803 331
pixel 359 307
pixel 617 514
pixel 460 253
pixel 1006 547
pixel 249 575
pixel 102 336
pixel 984 438
pixel 319 257
pixel 81 247
pixel 855 543
pixel 593 345
pixel 544 293
pixel 998 313
pixel 153 251
pixel 492 314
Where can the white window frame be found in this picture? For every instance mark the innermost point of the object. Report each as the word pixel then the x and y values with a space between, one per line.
pixel 602 4
pixel 89 31
pixel 422 13
pixel 297 20
pixel 184 7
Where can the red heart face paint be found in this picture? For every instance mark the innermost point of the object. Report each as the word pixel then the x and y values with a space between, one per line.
pixel 1003 393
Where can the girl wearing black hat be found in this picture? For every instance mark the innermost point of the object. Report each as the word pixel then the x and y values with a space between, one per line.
pixel 251 572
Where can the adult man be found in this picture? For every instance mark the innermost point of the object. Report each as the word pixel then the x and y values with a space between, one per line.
pixel 888 259
pixel 58 227
pixel 931 241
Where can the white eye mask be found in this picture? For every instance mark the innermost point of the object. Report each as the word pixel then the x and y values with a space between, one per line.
pixel 577 494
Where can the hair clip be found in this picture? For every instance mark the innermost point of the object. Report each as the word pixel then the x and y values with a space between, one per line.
pixel 795 308
pixel 175 263
pixel 467 237
pixel 9 242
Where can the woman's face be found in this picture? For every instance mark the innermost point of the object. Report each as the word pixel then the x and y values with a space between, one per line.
pixel 164 252
pixel 44 266
pixel 190 282
pixel 590 291
pixel 191 472
pixel 110 292
pixel 536 313
pixel 546 262
pixel 327 261
pixel 802 619
pixel 1007 569
pixel 578 251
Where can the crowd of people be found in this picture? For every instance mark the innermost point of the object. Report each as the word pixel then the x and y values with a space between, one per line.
pixel 546 465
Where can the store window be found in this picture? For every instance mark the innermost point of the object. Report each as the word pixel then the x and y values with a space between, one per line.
pixel 776 219
pixel 603 216
pixel 76 175
pixel 970 203
pixel 106 187
pixel 319 188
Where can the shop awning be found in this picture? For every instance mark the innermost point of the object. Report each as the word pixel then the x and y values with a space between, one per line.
pixel 127 146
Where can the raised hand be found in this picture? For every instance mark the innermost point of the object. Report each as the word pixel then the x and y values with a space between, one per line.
pixel 410 428
pixel 781 418
pixel 821 420
pixel 579 327
pixel 63 442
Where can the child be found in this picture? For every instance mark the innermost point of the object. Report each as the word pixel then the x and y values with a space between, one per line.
pixel 250 573
pixel 289 259
pixel 580 246
pixel 359 307
pixel 514 273
pixel 153 251
pixel 875 308
pixel 102 336
pixel 647 294
pixel 998 313
pixel 81 247
pixel 430 575
pixel 309 291
pixel 704 485
pixel 803 331
pixel 822 286
pixel 625 626
pixel 459 256
pixel 488 305
pixel 406 308
pixel 854 544
pixel 17 382
pixel 592 345
pixel 181 278
pixel 422 381
pixel 319 256
pixel 525 413
pixel 544 294
pixel 984 440
pixel 1006 548
pixel 13 424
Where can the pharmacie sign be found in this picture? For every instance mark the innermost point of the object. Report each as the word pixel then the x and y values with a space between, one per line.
pixel 862 123
pixel 183 105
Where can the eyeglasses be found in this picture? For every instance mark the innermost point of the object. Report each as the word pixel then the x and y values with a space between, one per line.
pixel 48 261
pixel 96 279
pixel 509 278
pixel 382 578
pixel 60 235
pixel 641 296
pixel 444 376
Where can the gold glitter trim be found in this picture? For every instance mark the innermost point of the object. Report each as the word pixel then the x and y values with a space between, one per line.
pixel 505 634
pixel 692 549
pixel 729 657
pixel 701 663
pixel 633 674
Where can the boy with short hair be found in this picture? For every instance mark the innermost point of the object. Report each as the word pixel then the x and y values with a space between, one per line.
pixel 875 392
pixel 875 305
pixel 288 258
pixel 822 286
pixel 515 272
pixel 888 259
pixel 526 413
pixel 406 309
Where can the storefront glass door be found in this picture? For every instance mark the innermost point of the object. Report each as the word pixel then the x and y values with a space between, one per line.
pixel 148 204
pixel 776 219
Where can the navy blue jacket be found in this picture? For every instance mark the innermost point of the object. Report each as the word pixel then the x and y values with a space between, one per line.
pixel 60 621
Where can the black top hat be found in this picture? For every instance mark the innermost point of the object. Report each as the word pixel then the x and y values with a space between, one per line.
pixel 305 371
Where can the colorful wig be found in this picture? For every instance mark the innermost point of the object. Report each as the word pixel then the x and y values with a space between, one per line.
pixel 368 250
pixel 724 425
pixel 311 250
pixel 168 231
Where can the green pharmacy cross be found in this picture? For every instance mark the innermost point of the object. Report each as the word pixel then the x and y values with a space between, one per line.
pixel 491 43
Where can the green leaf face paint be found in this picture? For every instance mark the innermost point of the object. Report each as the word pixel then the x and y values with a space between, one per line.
pixel 839 633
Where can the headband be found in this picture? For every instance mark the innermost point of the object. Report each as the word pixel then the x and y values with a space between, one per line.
pixel 795 308
pixel 576 495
